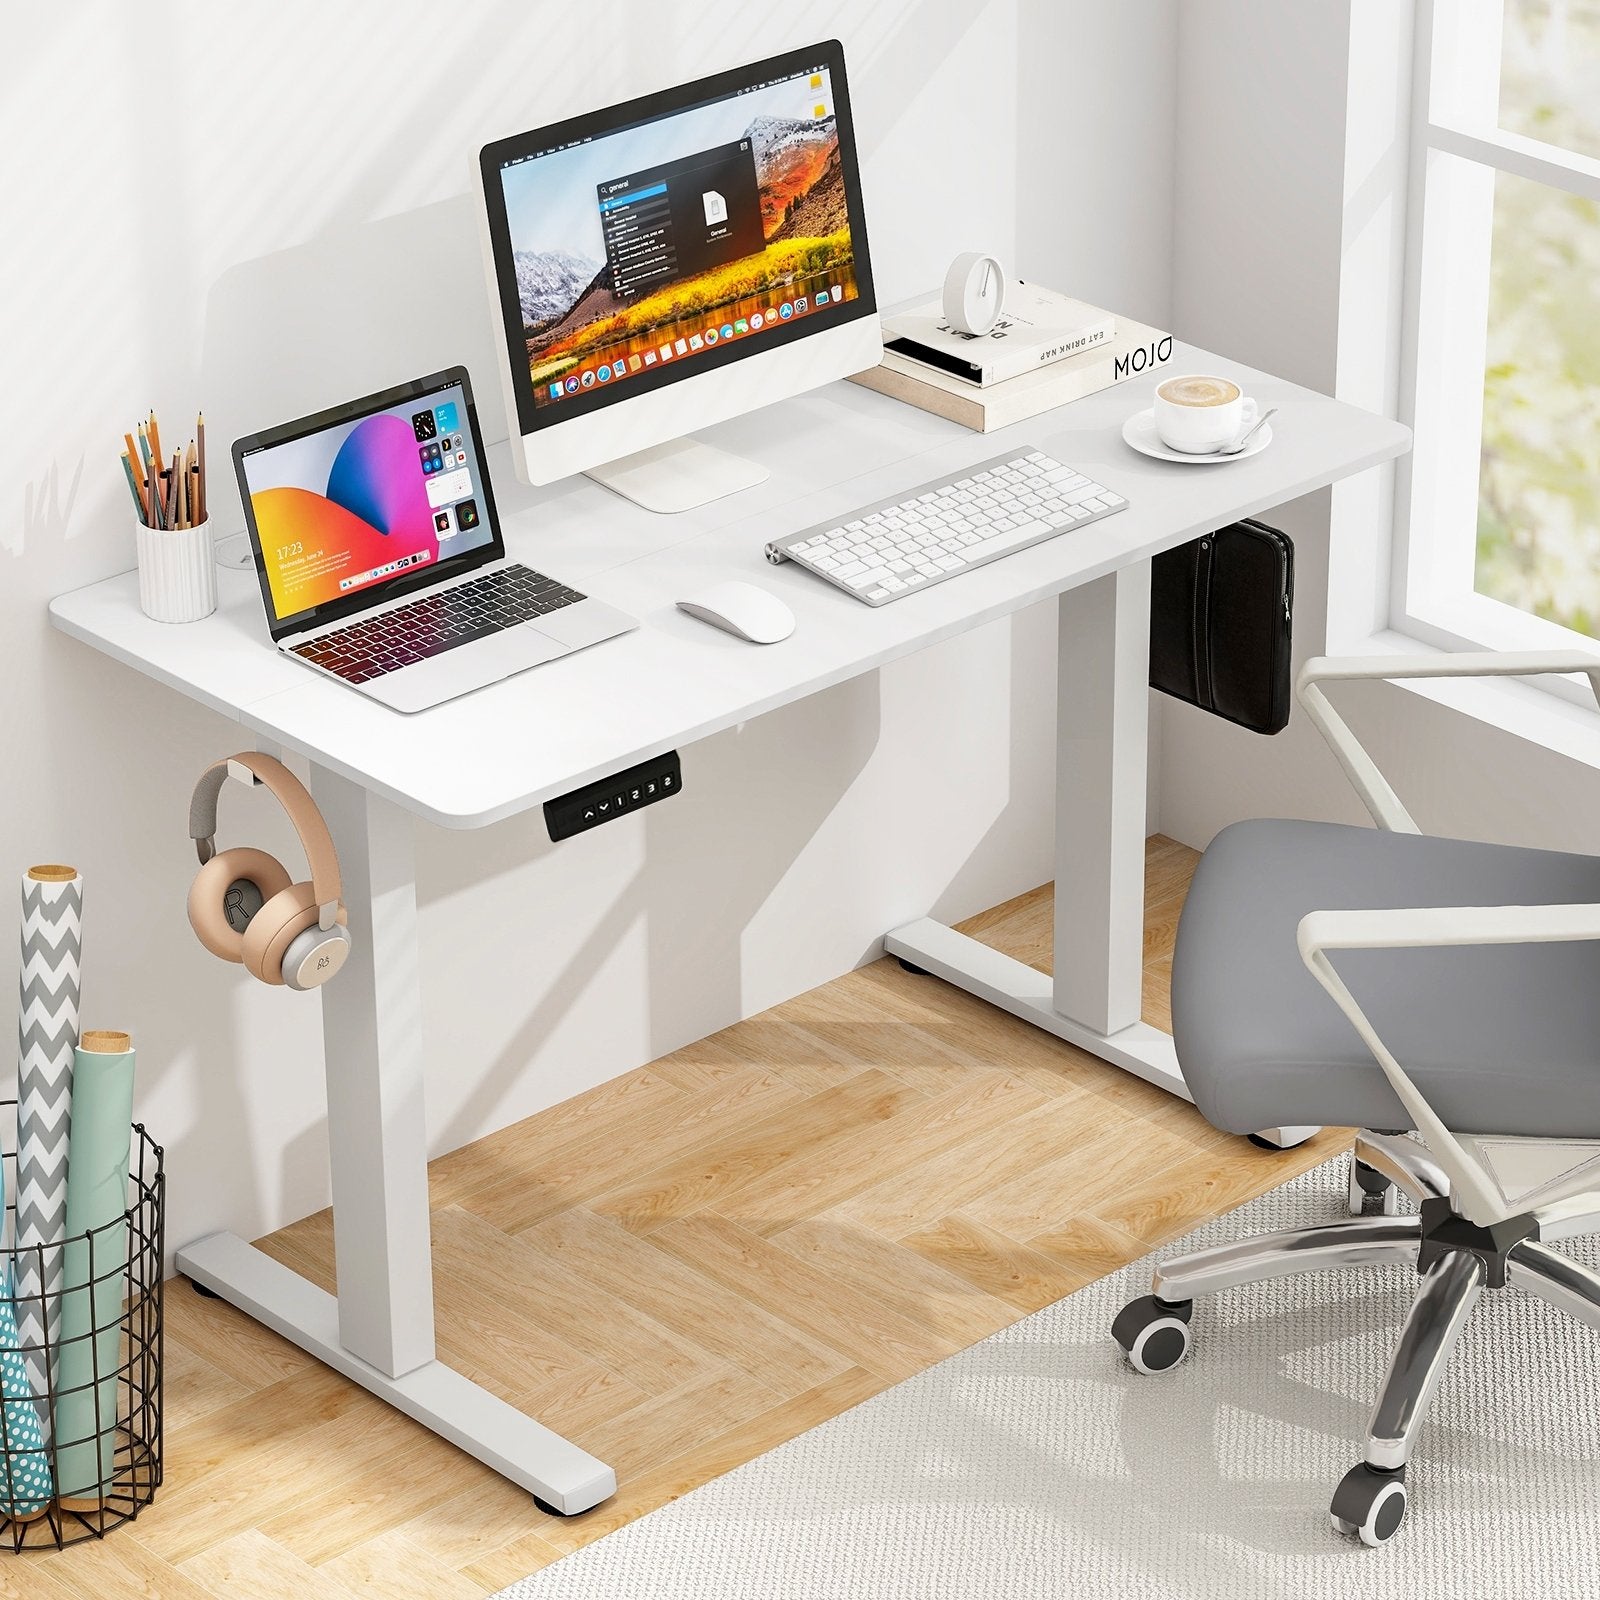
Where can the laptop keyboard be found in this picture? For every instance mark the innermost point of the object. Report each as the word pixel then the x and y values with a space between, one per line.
pixel 437 622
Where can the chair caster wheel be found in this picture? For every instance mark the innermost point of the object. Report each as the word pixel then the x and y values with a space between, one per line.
pixel 1154 1334
pixel 204 1293
pixel 1369 1503
pixel 912 967
pixel 1371 1194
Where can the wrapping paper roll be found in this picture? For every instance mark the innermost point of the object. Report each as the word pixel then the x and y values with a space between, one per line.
pixel 24 1464
pixel 47 1031
pixel 97 1198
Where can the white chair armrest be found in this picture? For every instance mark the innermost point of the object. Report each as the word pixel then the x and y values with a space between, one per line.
pixel 1473 1188
pixel 1375 790
pixel 1453 664
pixel 1400 928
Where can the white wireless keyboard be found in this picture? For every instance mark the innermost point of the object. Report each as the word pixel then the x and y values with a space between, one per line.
pixel 892 549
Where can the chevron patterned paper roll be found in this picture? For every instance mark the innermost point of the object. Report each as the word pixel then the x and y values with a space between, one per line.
pixel 94 1280
pixel 47 1030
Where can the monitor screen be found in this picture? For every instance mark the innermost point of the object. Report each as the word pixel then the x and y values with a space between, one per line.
pixel 677 233
pixel 352 501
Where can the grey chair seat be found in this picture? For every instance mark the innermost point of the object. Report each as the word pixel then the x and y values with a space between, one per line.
pixel 1499 1039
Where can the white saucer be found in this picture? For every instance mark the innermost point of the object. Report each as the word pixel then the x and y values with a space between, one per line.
pixel 1140 431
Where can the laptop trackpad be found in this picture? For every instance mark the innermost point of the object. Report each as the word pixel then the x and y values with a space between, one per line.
pixel 584 624
pixel 456 672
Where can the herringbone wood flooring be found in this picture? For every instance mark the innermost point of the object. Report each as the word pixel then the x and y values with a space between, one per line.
pixel 680 1270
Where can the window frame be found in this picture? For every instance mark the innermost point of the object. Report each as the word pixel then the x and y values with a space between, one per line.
pixel 1457 149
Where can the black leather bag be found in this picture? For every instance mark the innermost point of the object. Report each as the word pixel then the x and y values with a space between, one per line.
pixel 1221 613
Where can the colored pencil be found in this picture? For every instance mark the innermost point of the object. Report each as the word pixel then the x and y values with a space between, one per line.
pixel 130 456
pixel 167 494
pixel 133 485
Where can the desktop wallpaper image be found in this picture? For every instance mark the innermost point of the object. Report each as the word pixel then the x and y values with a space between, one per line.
pixel 573 318
pixel 375 507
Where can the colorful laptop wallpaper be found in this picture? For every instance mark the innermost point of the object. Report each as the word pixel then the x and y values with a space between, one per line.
pixel 647 247
pixel 351 506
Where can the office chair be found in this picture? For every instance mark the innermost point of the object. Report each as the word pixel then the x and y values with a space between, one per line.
pixel 1465 1011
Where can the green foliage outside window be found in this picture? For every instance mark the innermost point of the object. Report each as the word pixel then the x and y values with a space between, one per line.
pixel 1539 481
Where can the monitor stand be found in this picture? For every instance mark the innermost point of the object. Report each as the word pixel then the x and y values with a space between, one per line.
pixel 678 476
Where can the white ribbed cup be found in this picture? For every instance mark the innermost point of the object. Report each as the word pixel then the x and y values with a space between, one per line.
pixel 177 576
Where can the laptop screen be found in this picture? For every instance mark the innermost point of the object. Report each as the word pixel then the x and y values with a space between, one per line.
pixel 362 500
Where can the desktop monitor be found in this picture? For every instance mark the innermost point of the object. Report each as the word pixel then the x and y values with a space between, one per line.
pixel 672 262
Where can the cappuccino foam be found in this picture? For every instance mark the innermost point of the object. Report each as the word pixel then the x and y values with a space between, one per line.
pixel 1198 391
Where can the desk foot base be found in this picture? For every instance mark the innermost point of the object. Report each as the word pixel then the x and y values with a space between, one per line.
pixel 1283 1138
pixel 1144 1051
pixel 551 1469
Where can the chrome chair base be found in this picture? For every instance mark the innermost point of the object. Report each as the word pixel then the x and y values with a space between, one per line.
pixel 1370 1502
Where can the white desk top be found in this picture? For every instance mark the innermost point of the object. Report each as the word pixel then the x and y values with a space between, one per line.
pixel 675 680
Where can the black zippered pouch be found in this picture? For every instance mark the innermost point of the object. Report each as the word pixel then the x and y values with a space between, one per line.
pixel 1221 623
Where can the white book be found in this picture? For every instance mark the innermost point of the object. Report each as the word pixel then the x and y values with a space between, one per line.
pixel 1136 350
pixel 1036 328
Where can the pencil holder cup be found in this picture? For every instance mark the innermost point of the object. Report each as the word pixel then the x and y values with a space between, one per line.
pixel 177 576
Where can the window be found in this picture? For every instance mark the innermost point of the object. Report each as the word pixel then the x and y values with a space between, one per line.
pixel 1501 519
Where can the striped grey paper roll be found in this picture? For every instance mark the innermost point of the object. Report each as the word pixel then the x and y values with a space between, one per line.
pixel 47 1032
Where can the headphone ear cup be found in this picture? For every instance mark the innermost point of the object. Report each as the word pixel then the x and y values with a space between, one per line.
pixel 314 956
pixel 278 921
pixel 281 921
pixel 227 895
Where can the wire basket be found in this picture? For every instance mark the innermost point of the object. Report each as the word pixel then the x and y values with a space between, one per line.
pixel 79 1458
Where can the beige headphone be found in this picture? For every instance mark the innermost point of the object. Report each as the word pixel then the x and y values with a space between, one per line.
pixel 242 904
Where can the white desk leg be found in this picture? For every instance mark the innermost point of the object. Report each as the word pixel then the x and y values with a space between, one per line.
pixel 1102 733
pixel 372 1044
pixel 379 1329
pixel 1102 739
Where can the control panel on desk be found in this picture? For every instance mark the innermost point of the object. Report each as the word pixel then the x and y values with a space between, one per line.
pixel 612 797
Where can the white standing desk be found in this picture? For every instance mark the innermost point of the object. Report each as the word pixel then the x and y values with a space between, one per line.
pixel 670 683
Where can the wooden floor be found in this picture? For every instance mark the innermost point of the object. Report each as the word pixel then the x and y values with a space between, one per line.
pixel 679 1270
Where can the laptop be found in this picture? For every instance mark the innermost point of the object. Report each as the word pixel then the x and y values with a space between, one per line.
pixel 381 559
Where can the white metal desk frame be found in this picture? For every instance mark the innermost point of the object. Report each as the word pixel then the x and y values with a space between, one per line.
pixel 379 1330
pixel 1094 1000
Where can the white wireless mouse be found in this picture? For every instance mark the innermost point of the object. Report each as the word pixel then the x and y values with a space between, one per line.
pixel 742 609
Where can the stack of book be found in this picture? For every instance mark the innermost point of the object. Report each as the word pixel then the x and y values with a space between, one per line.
pixel 1045 350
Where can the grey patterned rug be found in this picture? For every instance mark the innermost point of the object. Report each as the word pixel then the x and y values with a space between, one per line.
pixel 1038 1464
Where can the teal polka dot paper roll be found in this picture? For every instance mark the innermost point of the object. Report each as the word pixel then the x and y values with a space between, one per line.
pixel 25 1486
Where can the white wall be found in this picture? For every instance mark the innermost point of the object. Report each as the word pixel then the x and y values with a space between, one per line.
pixel 1289 212
pixel 290 228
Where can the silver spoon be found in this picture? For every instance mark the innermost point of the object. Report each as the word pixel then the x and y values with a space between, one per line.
pixel 1255 428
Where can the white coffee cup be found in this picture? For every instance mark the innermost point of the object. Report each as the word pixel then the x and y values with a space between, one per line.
pixel 1199 415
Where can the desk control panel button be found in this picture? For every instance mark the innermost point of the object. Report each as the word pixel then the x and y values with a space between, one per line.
pixel 614 797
